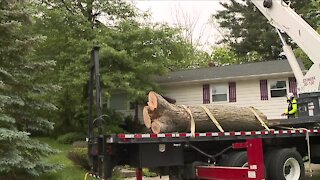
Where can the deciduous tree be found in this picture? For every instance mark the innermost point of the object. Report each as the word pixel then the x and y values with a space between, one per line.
pixel 132 51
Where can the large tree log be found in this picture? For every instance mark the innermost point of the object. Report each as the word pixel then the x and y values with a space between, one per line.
pixel 167 117
pixel 146 117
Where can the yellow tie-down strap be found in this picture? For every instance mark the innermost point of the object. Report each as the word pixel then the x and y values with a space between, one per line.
pixel 193 124
pixel 259 118
pixel 213 119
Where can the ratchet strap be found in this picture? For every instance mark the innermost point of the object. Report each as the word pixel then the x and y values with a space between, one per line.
pixel 193 124
pixel 213 119
pixel 259 118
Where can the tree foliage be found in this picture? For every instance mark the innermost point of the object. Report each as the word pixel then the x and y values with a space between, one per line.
pixel 132 51
pixel 223 55
pixel 247 31
pixel 131 54
pixel 22 106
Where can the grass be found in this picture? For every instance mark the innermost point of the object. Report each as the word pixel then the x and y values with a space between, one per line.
pixel 69 171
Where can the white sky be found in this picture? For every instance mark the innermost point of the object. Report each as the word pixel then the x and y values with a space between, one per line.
pixel 166 11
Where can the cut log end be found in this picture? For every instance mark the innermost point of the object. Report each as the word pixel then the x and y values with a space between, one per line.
pixel 156 127
pixel 146 117
pixel 153 101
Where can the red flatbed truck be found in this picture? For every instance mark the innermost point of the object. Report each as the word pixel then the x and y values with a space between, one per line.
pixel 202 156
pixel 275 154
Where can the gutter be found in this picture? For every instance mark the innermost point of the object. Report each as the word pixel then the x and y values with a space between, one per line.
pixel 227 79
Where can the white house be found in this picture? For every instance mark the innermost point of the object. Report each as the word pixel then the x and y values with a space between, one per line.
pixel 263 85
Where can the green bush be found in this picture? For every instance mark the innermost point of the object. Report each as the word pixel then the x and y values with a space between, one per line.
pixel 71 137
pixel 146 172
pixel 80 144
pixel 79 156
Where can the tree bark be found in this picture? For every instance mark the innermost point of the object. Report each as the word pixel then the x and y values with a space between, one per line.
pixel 166 117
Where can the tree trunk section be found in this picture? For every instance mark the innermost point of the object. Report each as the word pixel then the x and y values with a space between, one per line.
pixel 146 117
pixel 166 117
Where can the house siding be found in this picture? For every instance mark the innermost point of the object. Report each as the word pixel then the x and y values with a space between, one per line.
pixel 247 94
pixel 185 94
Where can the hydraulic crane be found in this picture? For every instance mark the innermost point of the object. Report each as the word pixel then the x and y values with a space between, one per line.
pixel 286 20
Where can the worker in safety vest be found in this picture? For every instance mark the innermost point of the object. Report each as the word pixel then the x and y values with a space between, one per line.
pixel 292 110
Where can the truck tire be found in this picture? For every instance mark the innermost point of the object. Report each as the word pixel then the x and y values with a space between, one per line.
pixel 267 163
pixel 189 171
pixel 235 159
pixel 175 173
pixel 286 164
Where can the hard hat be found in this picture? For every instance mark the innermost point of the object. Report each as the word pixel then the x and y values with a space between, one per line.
pixel 290 95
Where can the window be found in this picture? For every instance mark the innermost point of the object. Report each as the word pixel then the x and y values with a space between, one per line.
pixel 278 88
pixel 219 93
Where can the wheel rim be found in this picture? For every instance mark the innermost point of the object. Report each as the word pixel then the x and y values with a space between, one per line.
pixel 291 169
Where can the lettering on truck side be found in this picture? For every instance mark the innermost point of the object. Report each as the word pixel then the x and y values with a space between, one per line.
pixel 309 81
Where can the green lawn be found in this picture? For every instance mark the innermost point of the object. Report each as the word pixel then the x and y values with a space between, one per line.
pixel 69 171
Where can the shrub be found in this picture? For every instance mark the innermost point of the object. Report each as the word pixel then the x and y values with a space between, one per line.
pixel 79 156
pixel 146 172
pixel 79 144
pixel 71 137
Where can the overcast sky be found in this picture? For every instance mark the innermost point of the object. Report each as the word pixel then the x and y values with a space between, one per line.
pixel 166 11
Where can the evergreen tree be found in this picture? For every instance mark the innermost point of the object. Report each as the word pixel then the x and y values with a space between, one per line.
pixel 248 32
pixel 22 109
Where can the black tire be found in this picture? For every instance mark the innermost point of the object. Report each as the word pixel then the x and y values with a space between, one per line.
pixel 175 173
pixel 268 162
pixel 235 159
pixel 286 164
pixel 173 177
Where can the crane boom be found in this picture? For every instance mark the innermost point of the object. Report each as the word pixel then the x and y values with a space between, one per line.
pixel 284 18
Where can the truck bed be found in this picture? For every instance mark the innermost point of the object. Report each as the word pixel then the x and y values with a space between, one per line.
pixel 209 136
pixel 280 128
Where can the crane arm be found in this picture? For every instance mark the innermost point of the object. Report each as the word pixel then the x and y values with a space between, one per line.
pixel 282 17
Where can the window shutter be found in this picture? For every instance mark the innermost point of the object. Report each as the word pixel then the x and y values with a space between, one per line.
pixel 232 92
pixel 206 94
pixel 293 85
pixel 264 89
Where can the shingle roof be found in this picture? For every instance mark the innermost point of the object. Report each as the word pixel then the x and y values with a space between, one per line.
pixel 231 71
